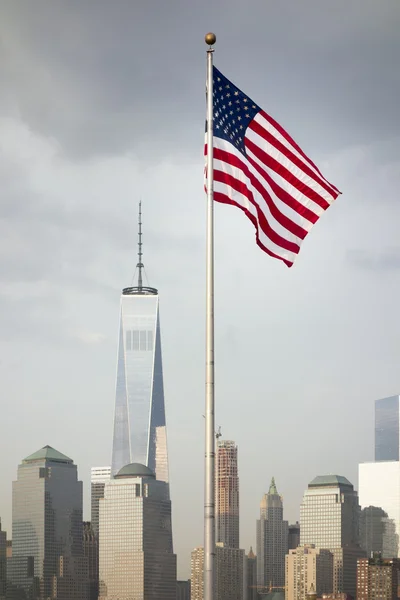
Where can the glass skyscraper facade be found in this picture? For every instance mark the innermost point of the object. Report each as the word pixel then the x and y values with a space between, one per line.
pixel 139 422
pixel 47 538
pixel 387 419
pixel 379 481
pixel 329 513
pixel 135 538
pixel 329 518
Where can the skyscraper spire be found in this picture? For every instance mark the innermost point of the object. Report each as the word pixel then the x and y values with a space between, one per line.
pixel 140 254
pixel 272 487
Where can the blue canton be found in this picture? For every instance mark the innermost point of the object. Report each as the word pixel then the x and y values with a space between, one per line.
pixel 233 111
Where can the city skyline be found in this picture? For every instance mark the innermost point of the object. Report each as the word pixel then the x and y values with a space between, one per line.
pixel 87 129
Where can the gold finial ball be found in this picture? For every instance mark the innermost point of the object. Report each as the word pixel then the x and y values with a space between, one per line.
pixel 210 39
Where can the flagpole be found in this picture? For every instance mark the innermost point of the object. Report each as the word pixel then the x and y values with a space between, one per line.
pixel 209 491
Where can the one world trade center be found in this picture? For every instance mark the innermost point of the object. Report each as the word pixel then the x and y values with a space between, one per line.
pixel 139 421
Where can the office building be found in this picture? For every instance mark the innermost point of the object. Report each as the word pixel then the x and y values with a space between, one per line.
pixel 98 478
pixel 3 563
pixel 140 434
pixel 135 537
pixel 197 574
pixel 272 541
pixel 387 418
pixel 227 494
pixel 47 541
pixel 183 590
pixel 379 481
pixel 308 566
pixel 294 536
pixel 378 533
pixel 329 519
pixel 377 578
pixel 252 576
pixel 230 573
pixel 91 553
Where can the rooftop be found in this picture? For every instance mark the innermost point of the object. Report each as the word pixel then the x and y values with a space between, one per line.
pixel 329 481
pixel 48 453
pixel 134 470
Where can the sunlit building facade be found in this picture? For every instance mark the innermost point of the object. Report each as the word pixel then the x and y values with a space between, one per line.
pixel 308 566
pixel 47 550
pixel 227 494
pixel 230 573
pixel 136 559
pixel 378 578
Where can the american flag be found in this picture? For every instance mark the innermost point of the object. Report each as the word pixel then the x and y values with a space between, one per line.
pixel 260 169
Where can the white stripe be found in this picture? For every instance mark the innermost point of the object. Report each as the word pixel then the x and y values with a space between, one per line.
pixel 292 168
pixel 259 118
pixel 243 201
pixel 283 208
pixel 239 175
pixel 312 206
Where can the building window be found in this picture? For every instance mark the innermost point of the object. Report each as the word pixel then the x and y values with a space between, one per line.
pixel 136 339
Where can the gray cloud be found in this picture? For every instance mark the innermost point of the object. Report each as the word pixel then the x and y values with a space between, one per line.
pixel 103 103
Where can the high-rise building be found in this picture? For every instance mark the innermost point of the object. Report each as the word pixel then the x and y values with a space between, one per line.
pixel 140 434
pixel 230 573
pixel 294 536
pixel 252 593
pixel 3 563
pixel 378 533
pixel 308 566
pixel 329 519
pixel 183 590
pixel 379 481
pixel 98 479
pixel 135 537
pixel 91 553
pixel 227 494
pixel 197 574
pixel 387 419
pixel 47 551
pixel 272 541
pixel 377 578
pixel 329 513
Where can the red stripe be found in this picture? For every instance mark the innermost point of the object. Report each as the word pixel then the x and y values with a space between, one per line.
pixel 225 199
pixel 233 161
pixel 240 187
pixel 273 164
pixel 291 141
pixel 284 196
pixel 268 137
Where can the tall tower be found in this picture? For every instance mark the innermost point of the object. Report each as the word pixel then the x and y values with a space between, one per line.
pixel 139 421
pixel 227 494
pixel 47 539
pixel 272 541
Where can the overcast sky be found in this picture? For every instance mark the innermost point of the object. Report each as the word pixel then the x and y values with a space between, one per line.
pixel 101 104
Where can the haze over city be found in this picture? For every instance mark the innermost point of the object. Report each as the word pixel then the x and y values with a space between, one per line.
pixel 102 105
